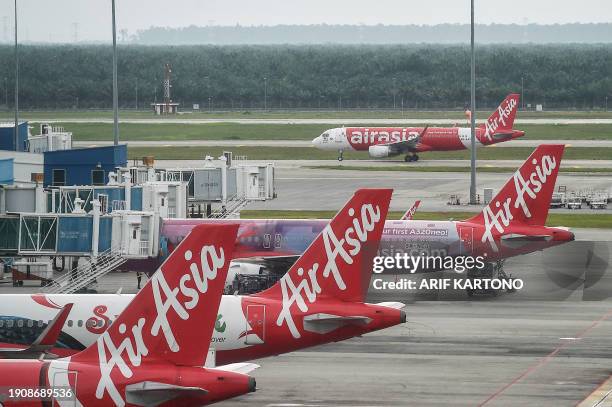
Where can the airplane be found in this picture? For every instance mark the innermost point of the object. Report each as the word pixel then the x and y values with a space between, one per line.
pixel 497 233
pixel 410 212
pixel 319 300
pixel 381 142
pixel 151 355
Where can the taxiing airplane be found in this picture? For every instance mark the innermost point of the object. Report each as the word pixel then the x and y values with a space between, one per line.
pixel 151 355
pixel 381 142
pixel 319 300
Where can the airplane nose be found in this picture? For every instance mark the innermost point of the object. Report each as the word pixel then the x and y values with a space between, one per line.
pixel 402 316
pixel 316 140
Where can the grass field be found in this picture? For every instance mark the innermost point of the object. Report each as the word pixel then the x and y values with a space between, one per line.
pixel 304 114
pixel 442 168
pixel 310 153
pixel 572 220
pixel 236 131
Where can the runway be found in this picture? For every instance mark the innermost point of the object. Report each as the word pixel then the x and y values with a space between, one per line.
pixel 308 143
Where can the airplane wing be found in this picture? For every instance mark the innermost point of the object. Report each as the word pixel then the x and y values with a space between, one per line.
pixel 403 146
pixel 45 341
pixel 150 393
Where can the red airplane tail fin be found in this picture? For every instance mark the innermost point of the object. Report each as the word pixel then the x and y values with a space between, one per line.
pixel 410 212
pixel 338 263
pixel 526 196
pixel 502 118
pixel 173 316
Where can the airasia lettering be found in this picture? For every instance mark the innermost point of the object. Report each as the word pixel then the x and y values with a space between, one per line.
pixel 368 136
pixel 503 113
pixel 190 285
pixel 529 186
pixel 347 248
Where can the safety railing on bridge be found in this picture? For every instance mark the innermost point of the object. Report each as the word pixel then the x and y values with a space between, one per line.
pixel 87 273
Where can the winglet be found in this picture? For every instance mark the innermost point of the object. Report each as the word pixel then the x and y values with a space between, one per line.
pixel 48 338
pixel 44 342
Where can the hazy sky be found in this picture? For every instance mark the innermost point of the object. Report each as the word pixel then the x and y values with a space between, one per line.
pixel 89 20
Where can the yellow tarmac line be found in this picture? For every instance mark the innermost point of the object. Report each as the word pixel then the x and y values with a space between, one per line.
pixel 601 397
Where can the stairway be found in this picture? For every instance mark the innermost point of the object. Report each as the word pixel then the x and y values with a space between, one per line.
pixel 232 206
pixel 86 274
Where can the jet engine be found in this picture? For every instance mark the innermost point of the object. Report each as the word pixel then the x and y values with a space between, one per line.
pixel 379 151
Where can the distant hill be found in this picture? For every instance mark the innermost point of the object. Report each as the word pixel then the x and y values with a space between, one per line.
pixel 376 34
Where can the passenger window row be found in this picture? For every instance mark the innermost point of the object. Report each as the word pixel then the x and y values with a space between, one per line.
pixel 20 323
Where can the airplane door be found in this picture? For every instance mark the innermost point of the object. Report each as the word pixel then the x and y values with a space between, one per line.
pixel 256 324
pixel 61 381
pixel 466 235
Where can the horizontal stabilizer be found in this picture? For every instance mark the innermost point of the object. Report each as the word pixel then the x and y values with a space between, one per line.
pixel 394 305
pixel 515 240
pixel 155 393
pixel 325 323
pixel 244 368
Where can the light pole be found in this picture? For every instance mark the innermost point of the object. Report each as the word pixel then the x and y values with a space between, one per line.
pixel 265 93
pixel 394 93
pixel 473 117
pixel 15 138
pixel 6 92
pixel 606 103
pixel 136 93
pixel 207 79
pixel 522 93
pixel 115 91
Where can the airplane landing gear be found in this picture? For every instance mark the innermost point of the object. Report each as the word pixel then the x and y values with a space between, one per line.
pixel 490 271
pixel 411 157
pixel 340 153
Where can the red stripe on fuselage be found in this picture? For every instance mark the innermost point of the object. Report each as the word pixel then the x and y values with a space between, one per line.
pixel 435 138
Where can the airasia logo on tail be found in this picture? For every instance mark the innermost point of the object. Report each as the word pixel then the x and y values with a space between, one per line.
pixel 500 120
pixel 529 186
pixel 191 285
pixel 348 247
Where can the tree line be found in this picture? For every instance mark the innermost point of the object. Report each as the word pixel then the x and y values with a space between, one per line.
pixel 309 77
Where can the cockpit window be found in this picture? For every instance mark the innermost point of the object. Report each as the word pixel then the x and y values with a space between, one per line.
pixel 324 136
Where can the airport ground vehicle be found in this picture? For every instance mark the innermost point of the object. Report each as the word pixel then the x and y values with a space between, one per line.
pixel 319 300
pixel 151 355
pixel 381 142
pixel 574 202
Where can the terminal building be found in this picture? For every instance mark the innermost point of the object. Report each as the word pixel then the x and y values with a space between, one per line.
pixel 86 210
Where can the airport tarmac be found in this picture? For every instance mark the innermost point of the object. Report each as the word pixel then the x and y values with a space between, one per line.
pixel 308 143
pixel 509 350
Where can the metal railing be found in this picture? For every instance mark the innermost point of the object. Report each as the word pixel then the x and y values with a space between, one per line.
pixel 87 273
pixel 232 206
